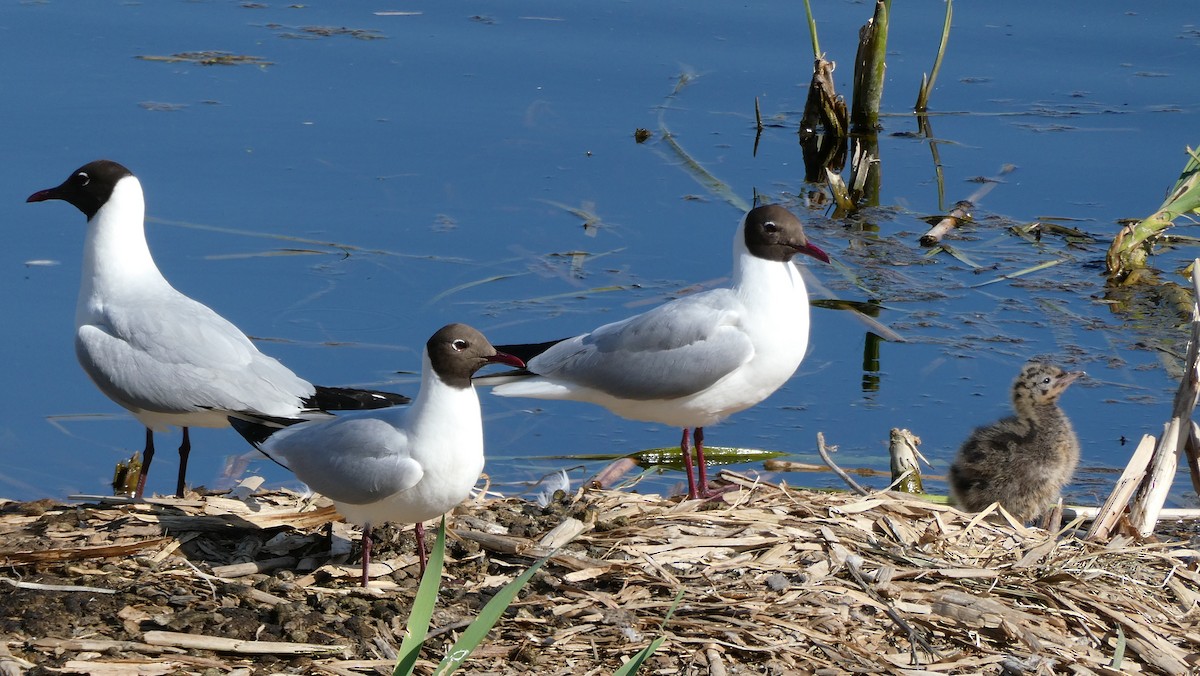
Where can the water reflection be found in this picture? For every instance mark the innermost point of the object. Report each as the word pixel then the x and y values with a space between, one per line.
pixel 357 194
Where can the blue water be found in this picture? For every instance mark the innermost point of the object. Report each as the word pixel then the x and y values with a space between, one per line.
pixel 349 198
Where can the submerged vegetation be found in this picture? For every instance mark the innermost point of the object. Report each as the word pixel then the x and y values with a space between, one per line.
pixel 209 58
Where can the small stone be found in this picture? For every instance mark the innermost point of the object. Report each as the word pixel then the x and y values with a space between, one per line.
pixel 778 582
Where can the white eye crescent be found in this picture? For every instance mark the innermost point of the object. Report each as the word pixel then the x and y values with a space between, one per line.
pixel 459 345
pixel 84 179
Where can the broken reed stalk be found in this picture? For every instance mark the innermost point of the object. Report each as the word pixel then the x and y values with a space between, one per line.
pixel 869 67
pixel 927 82
pixel 824 452
pixel 824 108
pixel 612 473
pixel 916 639
pixel 1152 493
pixel 961 213
pixel 1132 244
pixel 125 475
pixel 1114 507
pixel 1180 434
pixel 840 193
pixel 1192 449
pixel 906 472
pixel 191 641
pixel 864 169
pixel 1186 434
pixel 758 130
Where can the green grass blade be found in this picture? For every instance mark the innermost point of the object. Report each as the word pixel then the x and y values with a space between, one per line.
pixel 422 609
pixel 1021 273
pixel 644 654
pixel 956 253
pixel 812 30
pixel 699 174
pixel 474 634
pixel 927 82
pixel 1118 657
pixel 672 456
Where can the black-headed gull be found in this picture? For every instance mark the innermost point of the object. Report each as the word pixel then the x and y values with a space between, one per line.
pixel 404 465
pixel 165 357
pixel 695 360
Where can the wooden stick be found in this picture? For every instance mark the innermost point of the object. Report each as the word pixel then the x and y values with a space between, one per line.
pixel 252 567
pixel 837 470
pixel 961 213
pixel 78 553
pixel 915 639
pixel 96 645
pixel 236 646
pixel 1152 493
pixel 1071 512
pixel 1108 515
pixel 56 587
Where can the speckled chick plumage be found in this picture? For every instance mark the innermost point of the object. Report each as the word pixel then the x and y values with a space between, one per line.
pixel 1022 461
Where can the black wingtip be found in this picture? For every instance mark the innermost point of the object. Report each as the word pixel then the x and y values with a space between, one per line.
pixel 258 428
pixel 528 351
pixel 350 399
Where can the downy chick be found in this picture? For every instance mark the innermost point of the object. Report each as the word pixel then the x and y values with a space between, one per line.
pixel 1022 461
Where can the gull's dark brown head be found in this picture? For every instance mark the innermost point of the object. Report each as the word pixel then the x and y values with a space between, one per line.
pixel 775 234
pixel 457 351
pixel 87 188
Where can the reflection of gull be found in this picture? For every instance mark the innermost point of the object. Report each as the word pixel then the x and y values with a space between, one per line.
pixel 406 465
pixel 165 357
pixel 693 361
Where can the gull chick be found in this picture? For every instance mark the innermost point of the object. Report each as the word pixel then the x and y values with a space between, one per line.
pixel 1022 461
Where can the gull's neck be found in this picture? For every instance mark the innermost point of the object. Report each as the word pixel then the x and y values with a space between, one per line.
pixel 757 280
pixel 116 258
pixel 1037 413
pixel 446 411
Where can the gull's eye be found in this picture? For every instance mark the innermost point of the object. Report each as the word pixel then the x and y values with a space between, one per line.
pixel 770 226
pixel 82 178
pixel 459 345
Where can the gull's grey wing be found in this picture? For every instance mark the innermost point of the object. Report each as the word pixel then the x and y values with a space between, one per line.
pixel 182 357
pixel 357 458
pixel 674 350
